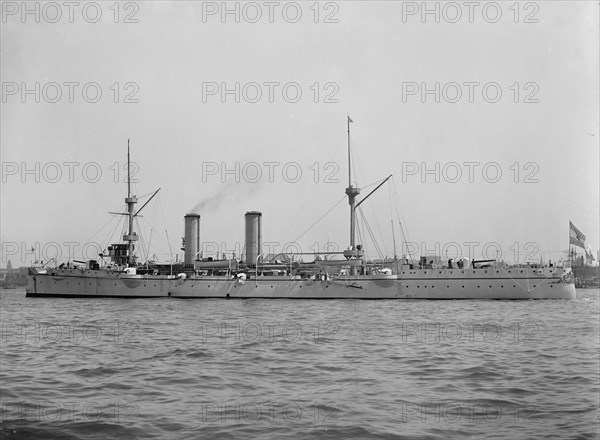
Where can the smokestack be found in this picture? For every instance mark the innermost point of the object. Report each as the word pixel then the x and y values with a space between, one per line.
pixel 191 237
pixel 253 236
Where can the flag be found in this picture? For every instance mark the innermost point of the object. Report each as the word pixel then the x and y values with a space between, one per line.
pixel 576 237
pixel 589 253
pixel 350 120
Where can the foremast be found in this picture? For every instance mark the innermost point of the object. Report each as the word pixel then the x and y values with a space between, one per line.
pixel 130 200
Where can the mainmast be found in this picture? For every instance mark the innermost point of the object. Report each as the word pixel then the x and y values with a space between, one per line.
pixel 130 237
pixel 351 192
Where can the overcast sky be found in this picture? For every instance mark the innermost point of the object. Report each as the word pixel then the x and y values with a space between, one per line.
pixel 508 125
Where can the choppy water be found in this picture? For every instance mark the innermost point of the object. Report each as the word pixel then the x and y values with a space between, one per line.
pixel 342 369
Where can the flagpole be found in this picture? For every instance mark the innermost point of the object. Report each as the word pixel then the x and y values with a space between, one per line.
pixel 570 248
pixel 571 255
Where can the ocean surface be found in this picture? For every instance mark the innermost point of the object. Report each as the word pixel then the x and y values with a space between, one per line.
pixel 292 369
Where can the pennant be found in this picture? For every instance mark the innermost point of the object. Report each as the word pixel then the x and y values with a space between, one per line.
pixel 576 237
pixel 350 120
pixel 589 253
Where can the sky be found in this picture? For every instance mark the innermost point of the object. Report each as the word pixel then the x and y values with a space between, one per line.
pixel 486 116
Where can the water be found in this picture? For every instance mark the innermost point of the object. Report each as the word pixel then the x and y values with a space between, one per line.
pixel 279 369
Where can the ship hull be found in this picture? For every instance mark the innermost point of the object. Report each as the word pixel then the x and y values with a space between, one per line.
pixel 487 283
pixel 514 284
pixel 443 284
pixel 77 283
pixel 286 287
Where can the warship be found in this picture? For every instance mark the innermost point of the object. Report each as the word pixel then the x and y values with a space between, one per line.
pixel 330 275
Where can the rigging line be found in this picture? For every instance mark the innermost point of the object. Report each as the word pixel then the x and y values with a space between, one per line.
pixel 318 180
pixel 404 234
pixel 141 241
pixel 360 234
pixel 100 230
pixel 146 195
pixel 367 224
pixel 372 208
pixel 301 210
pixel 165 225
pixel 159 249
pixel 391 207
pixel 356 162
pixel 404 223
pixel 164 222
pixel 169 242
pixel 370 231
pixel 151 226
pixel 149 242
pixel 320 218
pixel 111 235
pixel 96 207
pixel 341 143
pixel 377 226
pixel 397 197
pixel 361 170
pixel 154 215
